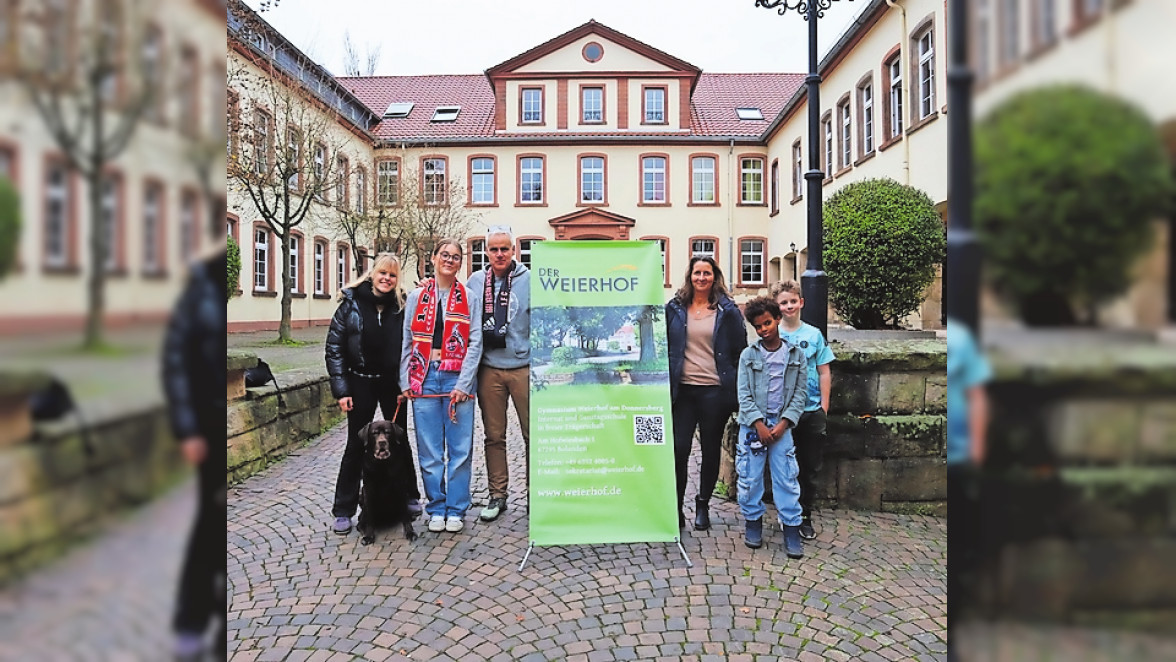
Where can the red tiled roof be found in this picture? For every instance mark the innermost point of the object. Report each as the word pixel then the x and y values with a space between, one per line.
pixel 712 106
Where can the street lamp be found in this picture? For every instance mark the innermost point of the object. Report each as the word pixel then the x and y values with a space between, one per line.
pixel 795 259
pixel 963 250
pixel 814 282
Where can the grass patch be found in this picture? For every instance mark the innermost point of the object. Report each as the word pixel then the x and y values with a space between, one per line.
pixel 287 343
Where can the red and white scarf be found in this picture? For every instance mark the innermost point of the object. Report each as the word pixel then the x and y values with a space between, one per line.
pixel 455 337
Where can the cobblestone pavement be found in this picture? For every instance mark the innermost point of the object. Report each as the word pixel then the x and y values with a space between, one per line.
pixel 871 587
pixel 1020 642
pixel 110 599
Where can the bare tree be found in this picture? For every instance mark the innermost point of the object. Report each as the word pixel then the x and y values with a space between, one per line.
pixel 351 58
pixel 353 221
pixel 283 159
pixel 90 77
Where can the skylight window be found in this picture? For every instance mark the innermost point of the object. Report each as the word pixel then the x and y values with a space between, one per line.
pixel 749 113
pixel 446 113
pixel 399 109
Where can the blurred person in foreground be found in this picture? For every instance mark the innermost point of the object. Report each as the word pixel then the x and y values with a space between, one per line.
pixel 967 426
pixel 194 382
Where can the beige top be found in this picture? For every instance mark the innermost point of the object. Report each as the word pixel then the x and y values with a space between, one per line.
pixel 699 367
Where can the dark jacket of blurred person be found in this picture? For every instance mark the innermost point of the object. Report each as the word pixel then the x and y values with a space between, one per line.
pixel 194 383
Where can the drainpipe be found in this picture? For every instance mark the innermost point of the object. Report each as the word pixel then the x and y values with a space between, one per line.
pixel 903 59
pixel 731 215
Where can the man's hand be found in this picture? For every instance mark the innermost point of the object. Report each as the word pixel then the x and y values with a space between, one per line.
pixel 194 450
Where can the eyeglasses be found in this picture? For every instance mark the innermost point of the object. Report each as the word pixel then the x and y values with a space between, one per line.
pixel 450 257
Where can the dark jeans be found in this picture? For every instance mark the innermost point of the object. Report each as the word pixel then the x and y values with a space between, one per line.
pixel 365 395
pixel 699 407
pixel 199 594
pixel 963 538
pixel 809 437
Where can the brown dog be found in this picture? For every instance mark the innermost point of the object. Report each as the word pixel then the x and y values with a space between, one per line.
pixel 383 498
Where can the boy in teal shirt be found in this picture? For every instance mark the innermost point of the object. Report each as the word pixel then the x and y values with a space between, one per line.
pixel 809 435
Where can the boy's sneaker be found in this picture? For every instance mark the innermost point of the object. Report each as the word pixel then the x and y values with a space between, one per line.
pixel 793 547
pixel 342 525
pixel 753 535
pixel 453 524
pixel 806 529
pixel 436 523
pixel 493 509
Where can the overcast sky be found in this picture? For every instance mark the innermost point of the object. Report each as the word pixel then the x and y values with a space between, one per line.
pixel 436 37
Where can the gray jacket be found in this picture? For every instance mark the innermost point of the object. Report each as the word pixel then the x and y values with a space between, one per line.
pixel 517 353
pixel 753 385
pixel 466 380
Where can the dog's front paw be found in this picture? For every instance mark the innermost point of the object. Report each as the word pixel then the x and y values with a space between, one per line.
pixel 366 540
pixel 409 534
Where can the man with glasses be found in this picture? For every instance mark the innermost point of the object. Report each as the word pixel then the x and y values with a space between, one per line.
pixel 500 300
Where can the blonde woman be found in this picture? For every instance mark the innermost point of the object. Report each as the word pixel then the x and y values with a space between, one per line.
pixel 363 361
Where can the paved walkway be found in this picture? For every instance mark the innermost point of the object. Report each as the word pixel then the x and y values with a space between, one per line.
pixel 871 587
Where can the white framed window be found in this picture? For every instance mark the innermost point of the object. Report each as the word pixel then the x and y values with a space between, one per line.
pixel 827 138
pixel 866 116
pixel 293 157
pixel 56 215
pixel 532 105
pixel 592 105
pixel 361 191
pixel 983 34
pixel 295 245
pixel 655 105
pixel 109 207
pixel 434 181
pixel 775 194
pixel 340 266
pixel 653 179
pixel 751 261
pixel 531 179
pixel 341 176
pixel 1010 32
pixel 702 248
pixel 152 210
pixel 320 160
pixel 482 181
pixel 702 176
pixel 478 259
pixel 388 183
pixel 320 250
pixel 260 259
pixel 525 250
pixel 592 179
pixel 895 69
pixel 445 114
pixel 926 50
pixel 845 130
pixel 261 142
pixel 751 180
pixel 188 224
pixel 1045 18
pixel 797 171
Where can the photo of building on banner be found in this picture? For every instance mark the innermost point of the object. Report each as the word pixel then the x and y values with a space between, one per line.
pixel 602 456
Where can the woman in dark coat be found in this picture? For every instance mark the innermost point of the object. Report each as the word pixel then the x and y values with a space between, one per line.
pixel 705 334
pixel 363 361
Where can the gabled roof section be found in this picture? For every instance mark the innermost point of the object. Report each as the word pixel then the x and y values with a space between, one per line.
pixel 428 93
pixel 592 28
pixel 592 216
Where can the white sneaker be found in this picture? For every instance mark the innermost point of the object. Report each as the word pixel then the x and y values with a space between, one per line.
pixel 452 525
pixel 436 523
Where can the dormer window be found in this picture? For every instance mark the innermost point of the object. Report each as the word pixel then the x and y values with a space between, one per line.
pixel 398 109
pixel 446 113
pixel 749 113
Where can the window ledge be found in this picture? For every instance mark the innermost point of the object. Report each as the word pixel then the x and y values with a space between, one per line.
pixel 751 204
pixel 298 295
pixel 796 199
pixel 654 204
pixel 269 294
pixel 886 144
pixel 703 204
pixel 67 270
pixel 863 159
pixel 842 171
pixel 923 122
pixel 158 274
pixel 530 204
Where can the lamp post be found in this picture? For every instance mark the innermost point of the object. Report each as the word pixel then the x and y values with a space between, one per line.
pixel 795 259
pixel 814 282
pixel 962 285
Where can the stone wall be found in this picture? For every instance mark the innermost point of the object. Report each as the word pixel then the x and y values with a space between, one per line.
pixel 887 417
pixel 53 492
pixel 1079 492
pixel 263 428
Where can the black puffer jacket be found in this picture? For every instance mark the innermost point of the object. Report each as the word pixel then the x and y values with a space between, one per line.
pixel 345 344
pixel 194 355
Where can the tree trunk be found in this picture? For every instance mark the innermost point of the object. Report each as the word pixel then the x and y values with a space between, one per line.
pixel 645 328
pixel 96 283
pixel 284 257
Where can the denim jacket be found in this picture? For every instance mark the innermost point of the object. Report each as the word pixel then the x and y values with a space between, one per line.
pixel 753 385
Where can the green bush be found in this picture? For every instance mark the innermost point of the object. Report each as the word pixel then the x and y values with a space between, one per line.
pixel 882 243
pixel 566 355
pixel 234 267
pixel 1068 181
pixel 9 225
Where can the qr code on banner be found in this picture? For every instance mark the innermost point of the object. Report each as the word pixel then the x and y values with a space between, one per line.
pixel 649 430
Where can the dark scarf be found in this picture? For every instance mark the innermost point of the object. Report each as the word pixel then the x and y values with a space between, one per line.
pixel 494 310
pixel 378 332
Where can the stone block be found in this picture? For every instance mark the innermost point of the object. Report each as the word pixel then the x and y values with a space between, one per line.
pixel 846 436
pixel 234 384
pixel 62 459
pixel 914 479
pixel 1110 502
pixel 826 480
pixel 859 484
pixel 1095 430
pixel 1124 573
pixel 243 448
pixel 853 393
pixel 912 435
pixel 901 392
pixel 303 425
pixel 245 415
pixel 329 415
pixel 20 473
pixel 1037 579
pixel 1157 440
pixel 301 399
pixel 935 400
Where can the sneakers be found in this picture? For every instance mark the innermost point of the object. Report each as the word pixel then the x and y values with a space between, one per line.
pixel 453 524
pixel 414 507
pixel 493 509
pixel 806 529
pixel 342 525
pixel 436 523
pixel 792 545
pixel 754 533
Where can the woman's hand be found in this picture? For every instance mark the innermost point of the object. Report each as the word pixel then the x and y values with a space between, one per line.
pixel 457 397
pixel 345 403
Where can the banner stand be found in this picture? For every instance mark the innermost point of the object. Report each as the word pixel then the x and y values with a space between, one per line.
pixel 681 549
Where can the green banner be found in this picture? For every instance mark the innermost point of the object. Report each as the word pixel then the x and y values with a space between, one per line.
pixel 602 452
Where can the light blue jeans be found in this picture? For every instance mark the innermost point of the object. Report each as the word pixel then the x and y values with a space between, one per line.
pixel 785 486
pixel 443 446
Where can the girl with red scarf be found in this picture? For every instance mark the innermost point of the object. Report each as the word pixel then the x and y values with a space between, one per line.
pixel 438 369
